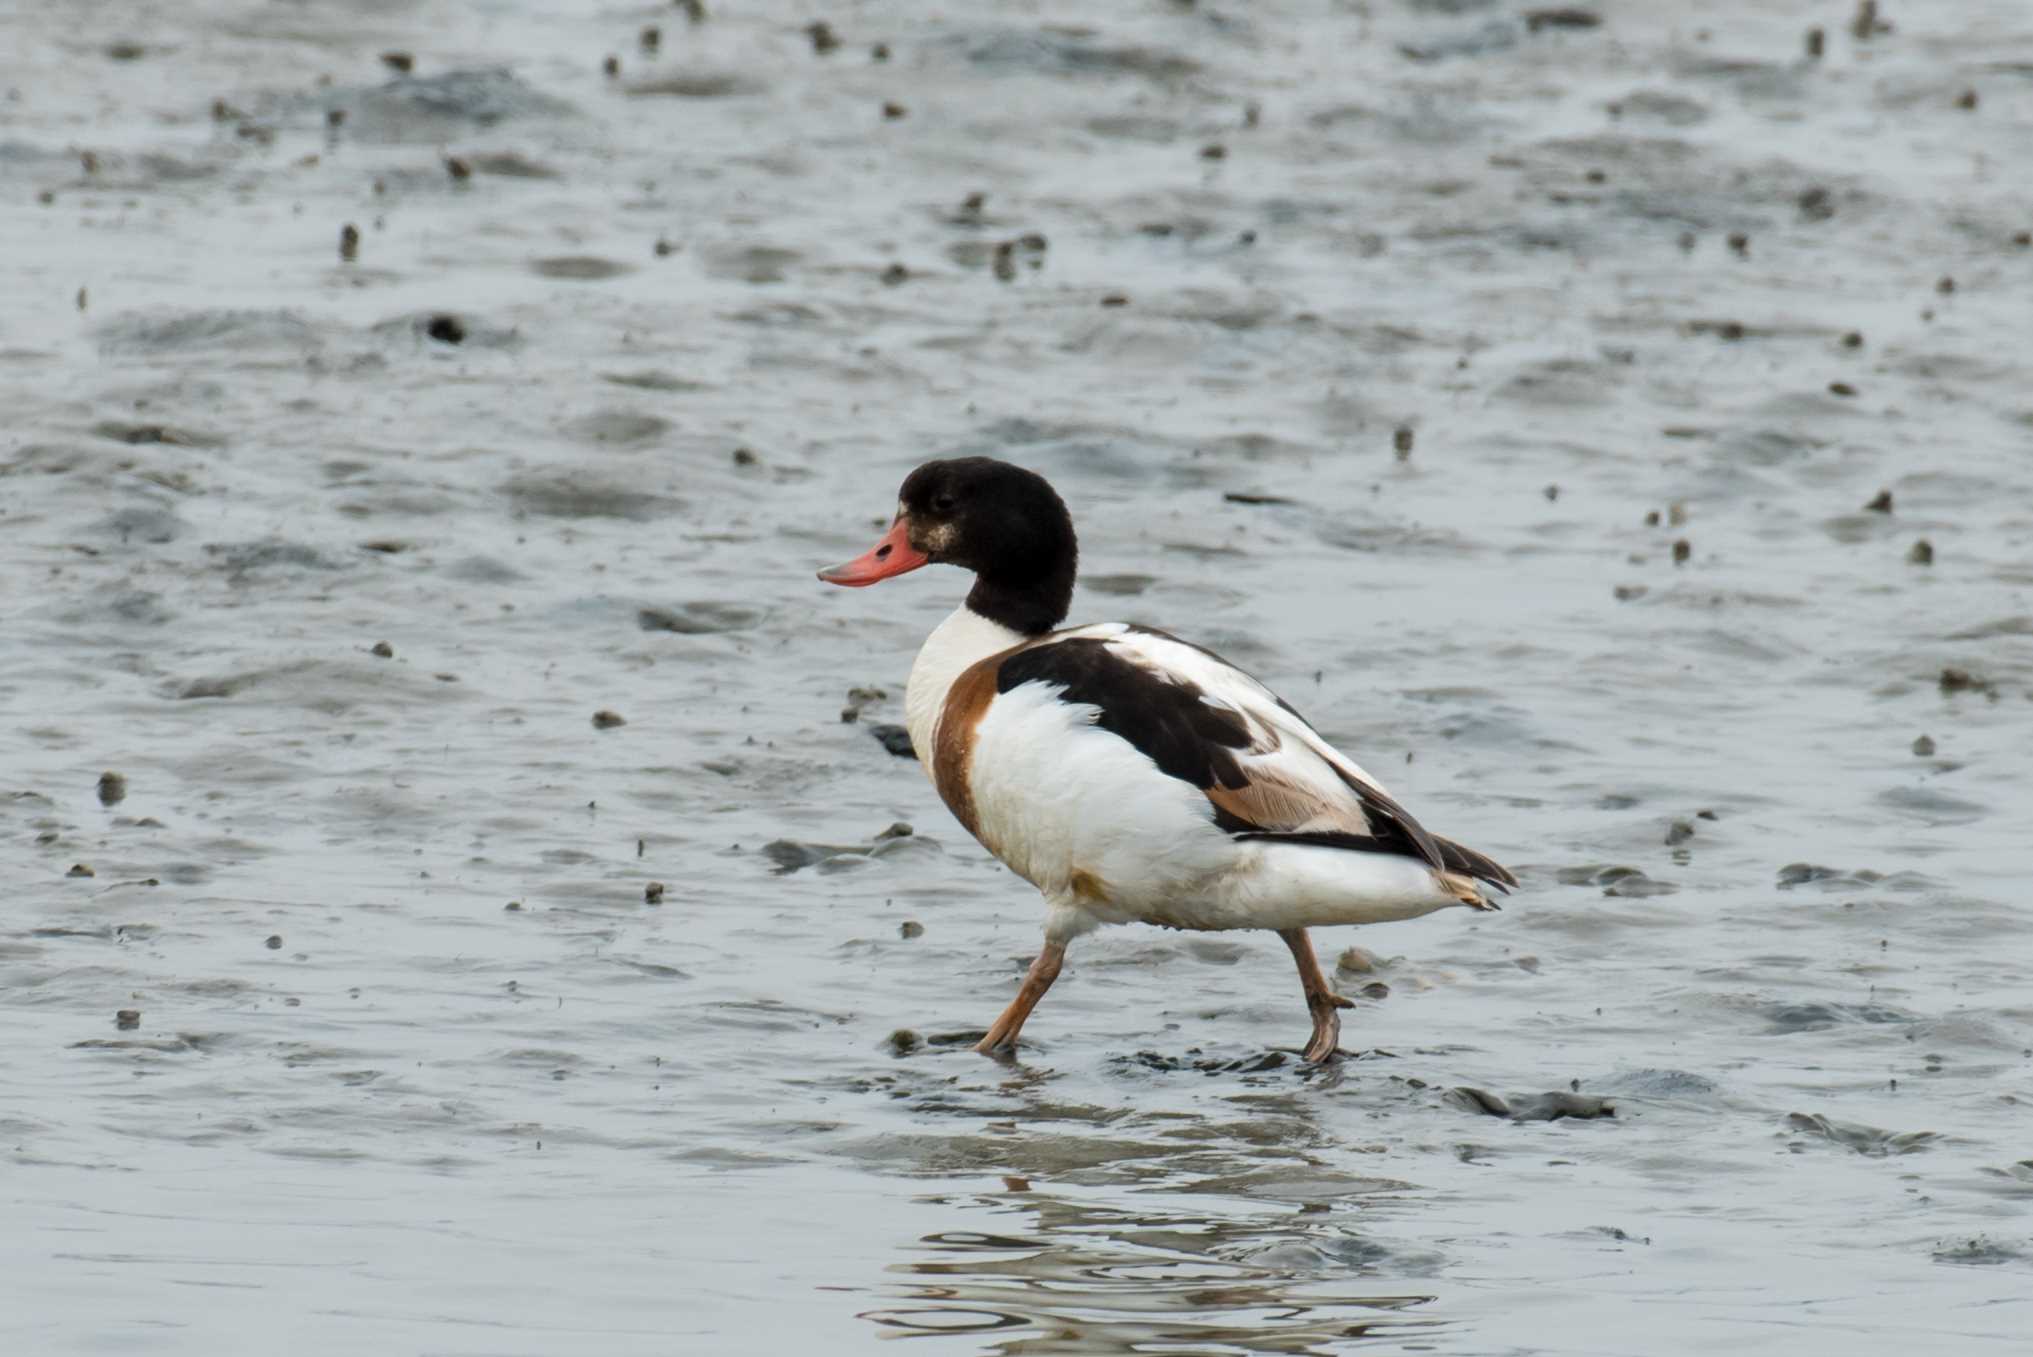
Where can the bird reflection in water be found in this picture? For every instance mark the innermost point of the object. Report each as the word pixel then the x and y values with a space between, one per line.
pixel 1093 1279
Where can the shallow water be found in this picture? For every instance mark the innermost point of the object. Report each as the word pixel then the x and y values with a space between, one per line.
pixel 414 1062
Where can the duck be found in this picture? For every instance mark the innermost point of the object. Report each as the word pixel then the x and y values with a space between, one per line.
pixel 1128 775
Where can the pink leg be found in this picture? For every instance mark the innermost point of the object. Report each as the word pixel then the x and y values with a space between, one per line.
pixel 1002 1038
pixel 1321 999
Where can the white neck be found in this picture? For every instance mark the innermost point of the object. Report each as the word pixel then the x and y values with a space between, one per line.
pixel 963 638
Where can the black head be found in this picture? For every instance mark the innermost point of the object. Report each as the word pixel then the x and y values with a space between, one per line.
pixel 1002 522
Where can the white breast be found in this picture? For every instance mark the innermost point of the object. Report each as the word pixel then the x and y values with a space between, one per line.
pixel 954 645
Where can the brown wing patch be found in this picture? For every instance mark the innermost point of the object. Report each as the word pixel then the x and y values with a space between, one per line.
pixel 953 743
pixel 1272 805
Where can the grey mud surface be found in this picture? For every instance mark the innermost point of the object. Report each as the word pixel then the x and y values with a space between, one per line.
pixel 414 1067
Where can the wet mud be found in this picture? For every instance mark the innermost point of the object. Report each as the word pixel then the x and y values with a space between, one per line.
pixel 1610 423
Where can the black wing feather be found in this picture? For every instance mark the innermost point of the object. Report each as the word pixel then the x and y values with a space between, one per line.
pixel 1169 721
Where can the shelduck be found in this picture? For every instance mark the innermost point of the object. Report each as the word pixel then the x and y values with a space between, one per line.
pixel 1130 776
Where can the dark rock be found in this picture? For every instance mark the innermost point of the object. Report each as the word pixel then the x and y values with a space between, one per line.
pixel 896 739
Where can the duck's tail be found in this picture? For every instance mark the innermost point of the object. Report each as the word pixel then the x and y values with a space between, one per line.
pixel 1464 867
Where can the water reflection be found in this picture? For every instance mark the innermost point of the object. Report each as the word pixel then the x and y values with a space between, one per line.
pixel 1088 1278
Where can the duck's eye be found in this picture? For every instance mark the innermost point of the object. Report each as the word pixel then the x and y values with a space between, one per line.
pixel 944 504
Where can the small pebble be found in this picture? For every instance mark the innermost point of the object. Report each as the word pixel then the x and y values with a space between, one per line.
pixel 112 789
pixel 910 928
pixel 1946 286
pixel 1551 492
pixel 1881 503
pixel 653 893
pixel 1214 151
pixel 651 38
pixel 903 1041
pixel 1841 389
pixel 1966 100
pixel 84 298
pixel 822 36
pixel 1682 549
pixel 349 242
pixel 273 942
pixel 446 330
pixel 1358 961
pixel 2022 238
pixel 399 61
pixel 1401 439
pixel 611 67
pixel 744 457
pixel 898 829
pixel 607 720
pixel 1853 340
pixel 1740 244
pixel 879 52
pixel 695 10
pixel 893 111
pixel 383 649
pixel 127 1019
pixel 1115 299
pixel 1922 553
pixel 457 167
pixel 1817 42
pixel 1678 832
pixel 895 275
pixel 1566 16
pixel 1923 746
pixel 513 907
pixel 80 869
pixel 335 118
